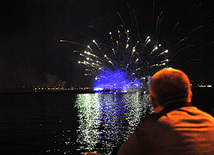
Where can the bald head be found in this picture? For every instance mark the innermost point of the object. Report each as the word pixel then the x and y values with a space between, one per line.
pixel 170 85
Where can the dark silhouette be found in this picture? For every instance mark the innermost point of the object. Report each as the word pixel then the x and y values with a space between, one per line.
pixel 177 127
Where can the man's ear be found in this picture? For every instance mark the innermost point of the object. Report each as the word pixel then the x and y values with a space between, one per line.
pixel 156 107
pixel 190 96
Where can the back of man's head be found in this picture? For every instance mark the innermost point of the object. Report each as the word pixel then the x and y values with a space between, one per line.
pixel 170 85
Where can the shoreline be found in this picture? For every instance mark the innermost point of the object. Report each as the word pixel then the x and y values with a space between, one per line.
pixel 92 91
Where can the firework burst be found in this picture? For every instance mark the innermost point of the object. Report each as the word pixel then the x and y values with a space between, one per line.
pixel 124 61
pixel 127 60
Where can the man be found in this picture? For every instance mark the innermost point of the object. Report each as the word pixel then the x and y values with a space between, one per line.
pixel 177 127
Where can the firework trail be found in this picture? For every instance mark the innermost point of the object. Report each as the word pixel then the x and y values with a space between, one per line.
pixel 126 59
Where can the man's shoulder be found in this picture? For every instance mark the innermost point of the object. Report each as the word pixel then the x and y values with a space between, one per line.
pixel 194 111
pixel 169 116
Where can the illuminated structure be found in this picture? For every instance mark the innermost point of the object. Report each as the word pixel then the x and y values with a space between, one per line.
pixel 114 80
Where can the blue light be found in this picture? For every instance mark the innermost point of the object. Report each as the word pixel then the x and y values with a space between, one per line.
pixel 115 80
pixel 98 89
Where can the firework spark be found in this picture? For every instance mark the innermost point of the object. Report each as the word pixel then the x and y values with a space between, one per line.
pixel 127 60
pixel 124 59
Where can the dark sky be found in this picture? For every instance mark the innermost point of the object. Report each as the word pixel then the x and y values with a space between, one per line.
pixel 31 52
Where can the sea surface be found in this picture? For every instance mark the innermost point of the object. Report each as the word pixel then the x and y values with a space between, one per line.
pixel 74 123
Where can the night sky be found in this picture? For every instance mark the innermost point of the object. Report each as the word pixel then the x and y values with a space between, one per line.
pixel 31 30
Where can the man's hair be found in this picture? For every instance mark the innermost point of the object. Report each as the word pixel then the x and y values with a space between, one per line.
pixel 170 85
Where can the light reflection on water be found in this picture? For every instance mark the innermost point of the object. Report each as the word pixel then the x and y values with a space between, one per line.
pixel 48 123
pixel 68 123
pixel 106 119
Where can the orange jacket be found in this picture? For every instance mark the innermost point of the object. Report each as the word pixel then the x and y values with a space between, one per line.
pixel 181 130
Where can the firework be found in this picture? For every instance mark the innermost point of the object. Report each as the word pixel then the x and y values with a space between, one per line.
pixel 123 62
pixel 127 60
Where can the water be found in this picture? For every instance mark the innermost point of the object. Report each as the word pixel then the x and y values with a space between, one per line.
pixel 68 123
pixel 105 120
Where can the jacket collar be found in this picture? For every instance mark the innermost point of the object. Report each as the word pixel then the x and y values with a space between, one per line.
pixel 175 105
